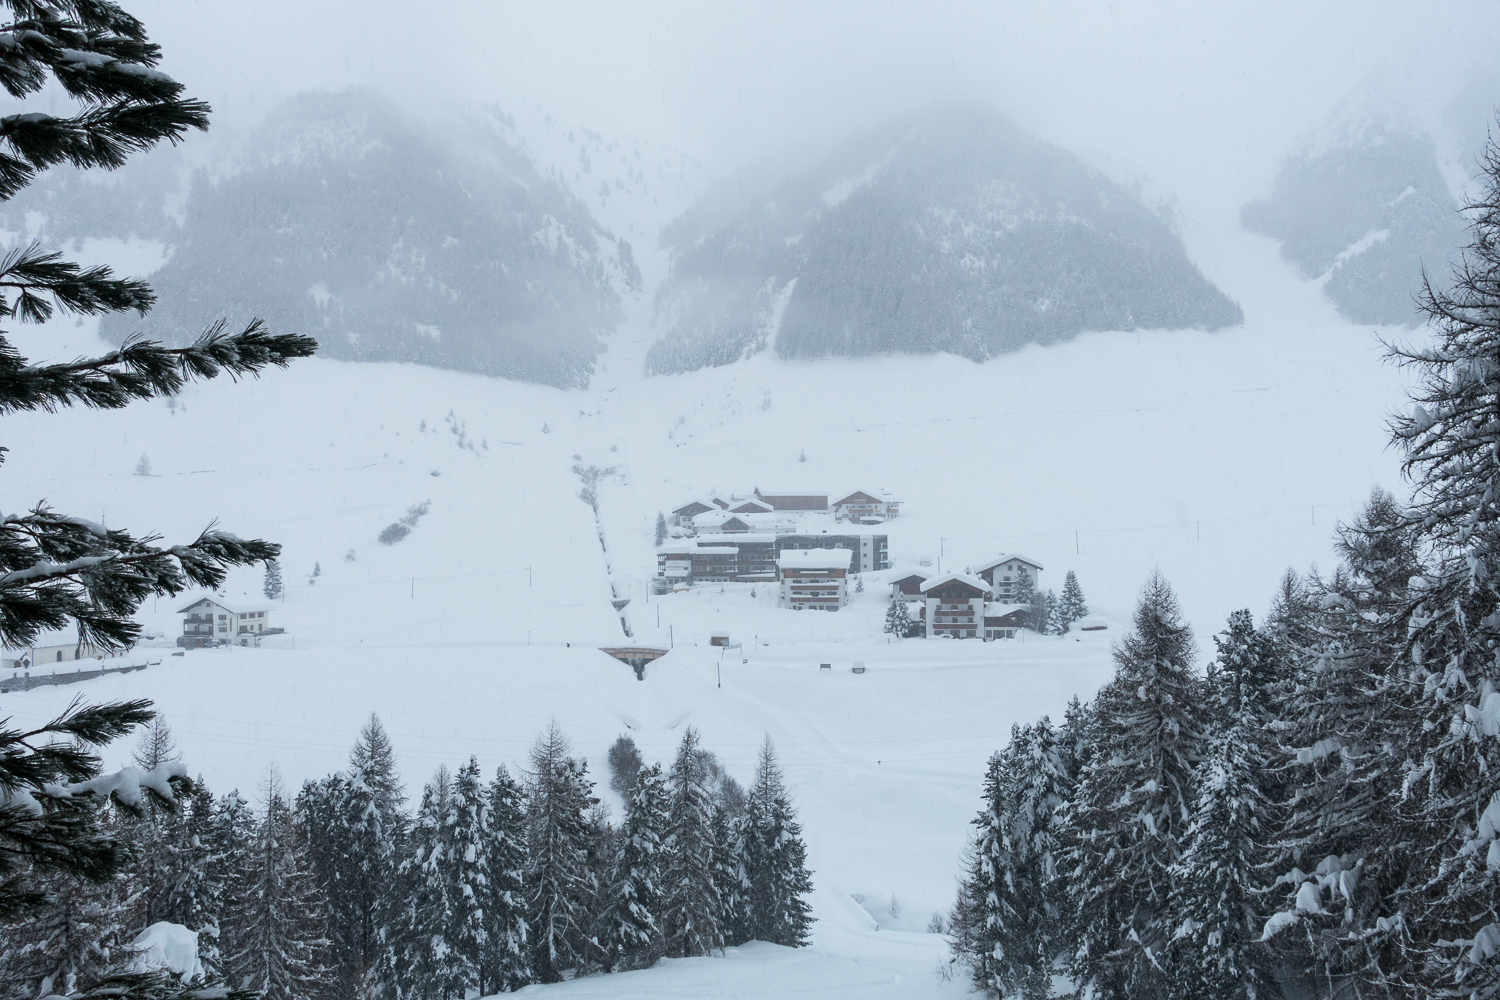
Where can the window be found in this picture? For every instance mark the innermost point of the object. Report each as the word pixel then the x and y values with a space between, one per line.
pixel 59 656
pixel 223 617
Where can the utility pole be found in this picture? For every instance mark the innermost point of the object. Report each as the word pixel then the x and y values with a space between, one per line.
pixel 671 640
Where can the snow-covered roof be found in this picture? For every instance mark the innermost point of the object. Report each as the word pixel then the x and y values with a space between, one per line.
pixel 790 493
pixel 235 608
pixel 706 505
pixel 972 581
pixel 1005 559
pixel 878 496
pixel 51 637
pixel 909 574
pixel 815 558
pixel 998 610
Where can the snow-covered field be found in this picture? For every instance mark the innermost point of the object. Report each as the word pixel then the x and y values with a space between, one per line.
pixel 1221 459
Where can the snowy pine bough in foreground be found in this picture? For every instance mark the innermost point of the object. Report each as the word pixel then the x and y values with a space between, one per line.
pixel 65 837
pixel 1319 815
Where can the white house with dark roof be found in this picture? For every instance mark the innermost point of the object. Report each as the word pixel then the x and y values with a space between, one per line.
pixel 683 516
pixel 211 619
pixel 1004 621
pixel 814 579
pixel 1003 573
pixel 953 605
pixel 865 504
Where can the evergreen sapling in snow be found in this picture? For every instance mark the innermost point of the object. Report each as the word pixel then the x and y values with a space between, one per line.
pixel 272 587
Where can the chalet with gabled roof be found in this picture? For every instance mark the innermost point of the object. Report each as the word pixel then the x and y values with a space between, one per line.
pixel 1003 573
pixel 1004 621
pixel 953 605
pixel 909 587
pixel 210 619
pixel 683 516
pixel 865 506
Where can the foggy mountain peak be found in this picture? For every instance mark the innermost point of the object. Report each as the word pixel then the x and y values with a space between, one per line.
pixel 353 223
pixel 952 230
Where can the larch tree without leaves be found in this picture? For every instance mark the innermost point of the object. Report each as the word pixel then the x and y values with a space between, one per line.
pixel 560 887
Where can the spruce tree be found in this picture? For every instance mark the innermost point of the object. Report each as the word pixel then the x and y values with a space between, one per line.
pixel 1126 824
pixel 506 965
pixel 1025 589
pixel 690 920
pixel 273 586
pixel 1071 605
pixel 624 759
pixel 368 837
pixel 424 961
pixel 897 618
pixel 1218 949
pixel 661 527
pixel 1011 890
pixel 731 877
pixel 1345 725
pixel 775 859
pixel 468 863
pixel 234 832
pixel 1048 615
pixel 636 896
pixel 560 887
pixel 195 874
pixel 280 915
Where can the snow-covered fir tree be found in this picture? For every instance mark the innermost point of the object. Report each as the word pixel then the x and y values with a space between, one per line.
pixel 775 858
pixel 690 919
pixel 1345 721
pixel 506 964
pixel 1048 614
pixel 1006 927
pixel 1025 589
pixel 425 962
pixel 79 936
pixel 367 837
pixel 1071 606
pixel 731 877
pixel 636 894
pixel 1218 949
pixel 624 759
pixel 1126 823
pixel 468 870
pixel 661 527
pixel 196 875
pixel 279 914
pixel 897 618
pixel 234 833
pixel 272 586
pixel 560 887
pixel 603 857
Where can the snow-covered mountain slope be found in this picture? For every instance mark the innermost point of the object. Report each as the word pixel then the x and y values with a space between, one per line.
pixel 347 219
pixel 1362 205
pixel 949 231
pixel 1222 460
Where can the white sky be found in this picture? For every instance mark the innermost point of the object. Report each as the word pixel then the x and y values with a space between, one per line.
pixel 1199 98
